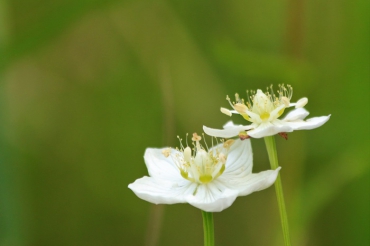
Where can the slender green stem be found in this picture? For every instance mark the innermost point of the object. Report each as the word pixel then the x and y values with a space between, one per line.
pixel 271 150
pixel 209 239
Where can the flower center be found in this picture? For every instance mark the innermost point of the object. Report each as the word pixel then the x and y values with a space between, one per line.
pixel 200 165
pixel 264 116
pixel 261 107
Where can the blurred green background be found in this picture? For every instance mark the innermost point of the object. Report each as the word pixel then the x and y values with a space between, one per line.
pixel 87 85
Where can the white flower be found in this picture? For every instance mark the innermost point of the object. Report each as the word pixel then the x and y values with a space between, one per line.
pixel 263 111
pixel 209 180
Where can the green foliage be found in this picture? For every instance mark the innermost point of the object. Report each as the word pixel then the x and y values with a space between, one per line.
pixel 86 86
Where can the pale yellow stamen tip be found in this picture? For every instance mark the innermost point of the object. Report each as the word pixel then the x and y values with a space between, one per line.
pixel 226 111
pixel 166 152
pixel 196 137
pixel 301 102
pixel 286 101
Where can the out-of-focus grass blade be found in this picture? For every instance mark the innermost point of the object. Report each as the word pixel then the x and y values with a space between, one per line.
pixel 256 64
pixel 322 189
pixel 10 232
pixel 37 34
pixel 4 23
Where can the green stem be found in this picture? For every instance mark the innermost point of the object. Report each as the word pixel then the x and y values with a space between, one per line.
pixel 271 150
pixel 209 239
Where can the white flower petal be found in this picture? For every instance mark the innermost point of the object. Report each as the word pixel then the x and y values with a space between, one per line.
pixel 226 111
pixel 296 114
pixel 160 191
pixel 311 123
pixel 212 197
pixel 230 130
pixel 159 166
pixel 264 110
pixel 301 102
pixel 240 158
pixel 258 181
pixel 250 183
pixel 269 128
pixel 167 186
pixel 231 124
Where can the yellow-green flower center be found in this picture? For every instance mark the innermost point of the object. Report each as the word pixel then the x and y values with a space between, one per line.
pixel 205 178
pixel 200 165
pixel 261 107
pixel 264 116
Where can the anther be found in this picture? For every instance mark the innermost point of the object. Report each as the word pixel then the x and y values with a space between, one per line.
pixel 196 137
pixel 166 152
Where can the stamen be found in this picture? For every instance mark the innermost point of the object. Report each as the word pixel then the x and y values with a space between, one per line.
pixel 196 137
pixel 204 140
pixel 272 93
pixel 285 91
pixel 166 152
pixel 237 98
pixel 180 140
pixel 228 99
pixel 290 92
pixel 249 102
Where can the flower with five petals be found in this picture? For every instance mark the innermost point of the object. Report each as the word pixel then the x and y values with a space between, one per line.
pixel 209 179
pixel 263 111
